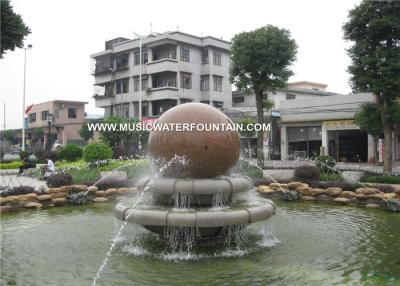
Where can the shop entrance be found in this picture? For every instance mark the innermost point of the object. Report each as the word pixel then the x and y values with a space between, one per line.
pixel 348 145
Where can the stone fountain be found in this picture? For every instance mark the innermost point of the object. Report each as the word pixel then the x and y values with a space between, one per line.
pixel 193 190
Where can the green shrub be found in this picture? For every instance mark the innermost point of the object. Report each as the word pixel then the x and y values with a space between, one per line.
pixel 24 155
pixel 384 179
pixel 58 180
pixel 97 152
pixel 331 177
pixel 306 173
pixel 70 152
pixel 11 165
pixel 325 163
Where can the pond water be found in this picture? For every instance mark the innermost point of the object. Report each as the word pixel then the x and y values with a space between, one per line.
pixel 303 244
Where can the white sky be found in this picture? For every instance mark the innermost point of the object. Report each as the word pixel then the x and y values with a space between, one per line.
pixel 65 33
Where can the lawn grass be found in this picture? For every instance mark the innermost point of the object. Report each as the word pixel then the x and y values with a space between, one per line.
pixel 381 179
pixel 10 165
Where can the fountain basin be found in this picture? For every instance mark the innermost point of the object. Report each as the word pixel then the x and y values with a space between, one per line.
pixel 208 222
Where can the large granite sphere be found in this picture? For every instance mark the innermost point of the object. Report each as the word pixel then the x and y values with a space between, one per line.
pixel 195 153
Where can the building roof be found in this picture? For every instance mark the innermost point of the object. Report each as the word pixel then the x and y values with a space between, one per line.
pixel 61 101
pixel 310 83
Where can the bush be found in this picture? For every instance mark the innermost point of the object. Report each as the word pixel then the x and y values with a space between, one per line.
pixel 331 177
pixel 42 155
pixel 24 155
pixel 70 152
pixel 97 152
pixel 306 173
pixel 11 165
pixel 325 163
pixel 113 183
pixel 384 179
pixel 16 191
pixel 58 180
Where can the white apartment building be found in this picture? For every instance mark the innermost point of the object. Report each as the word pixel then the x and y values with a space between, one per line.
pixel 176 68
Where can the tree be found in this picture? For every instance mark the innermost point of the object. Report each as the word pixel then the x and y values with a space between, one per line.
pixel 374 27
pixel 247 132
pixel 13 28
pixel 9 135
pixel 38 133
pixel 260 61
pixel 85 133
pixel 370 120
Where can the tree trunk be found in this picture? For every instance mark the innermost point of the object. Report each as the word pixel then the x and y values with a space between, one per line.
pixel 376 153
pixel 260 134
pixel 249 147
pixel 387 132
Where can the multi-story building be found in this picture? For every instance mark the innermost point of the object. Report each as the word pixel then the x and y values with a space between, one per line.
pixel 176 68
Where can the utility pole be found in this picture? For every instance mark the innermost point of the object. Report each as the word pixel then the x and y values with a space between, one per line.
pixel 23 99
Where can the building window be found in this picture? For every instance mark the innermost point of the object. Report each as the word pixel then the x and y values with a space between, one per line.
pixel 136 83
pixel 32 117
pixel 185 54
pixel 104 64
pixel 122 61
pixel 204 82
pixel 145 110
pixel 218 104
pixel 145 57
pixel 44 115
pixel 217 83
pixel 290 96
pixel 186 80
pixel 204 57
pixel 217 59
pixel 122 85
pixel 72 112
pixel 238 99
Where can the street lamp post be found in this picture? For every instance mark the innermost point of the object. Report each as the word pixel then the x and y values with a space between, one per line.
pixel 49 122
pixel 23 99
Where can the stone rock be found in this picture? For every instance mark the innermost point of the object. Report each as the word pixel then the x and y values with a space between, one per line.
pixel 59 195
pixel 59 201
pixel 111 192
pixel 278 186
pixel 31 197
pixel 373 206
pixel 32 205
pixel 303 190
pixel 334 192
pixel 341 200
pixel 66 189
pixel 132 190
pixel 323 198
pixel 3 200
pixel 93 189
pixel 393 205
pixel 398 191
pixel 265 189
pixel 390 196
pixel 122 191
pixel 376 196
pixel 349 194
pixel 308 198
pixel 4 209
pixel 367 191
pixel 54 190
pixel 12 199
pixel 79 188
pixel 100 200
pixel 44 197
pixel 205 154
pixel 100 193
pixel 361 196
pixel 294 185
pixel 317 192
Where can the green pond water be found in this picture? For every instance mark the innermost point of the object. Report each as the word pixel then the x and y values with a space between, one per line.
pixel 303 244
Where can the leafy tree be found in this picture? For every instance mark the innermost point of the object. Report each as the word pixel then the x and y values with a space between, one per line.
pixel 13 28
pixel 9 135
pixel 70 152
pixel 247 132
pixel 374 27
pixel 97 152
pixel 38 133
pixel 85 133
pixel 261 61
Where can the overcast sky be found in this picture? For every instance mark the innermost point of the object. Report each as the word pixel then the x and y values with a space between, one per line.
pixel 65 33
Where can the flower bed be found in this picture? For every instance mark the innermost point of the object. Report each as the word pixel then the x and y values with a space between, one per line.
pixel 370 197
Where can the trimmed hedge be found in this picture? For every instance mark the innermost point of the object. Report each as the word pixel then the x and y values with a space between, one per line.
pixel 70 152
pixel 384 179
pixel 306 173
pixel 11 165
pixel 97 152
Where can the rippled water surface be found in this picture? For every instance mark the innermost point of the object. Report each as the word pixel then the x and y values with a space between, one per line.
pixel 304 244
